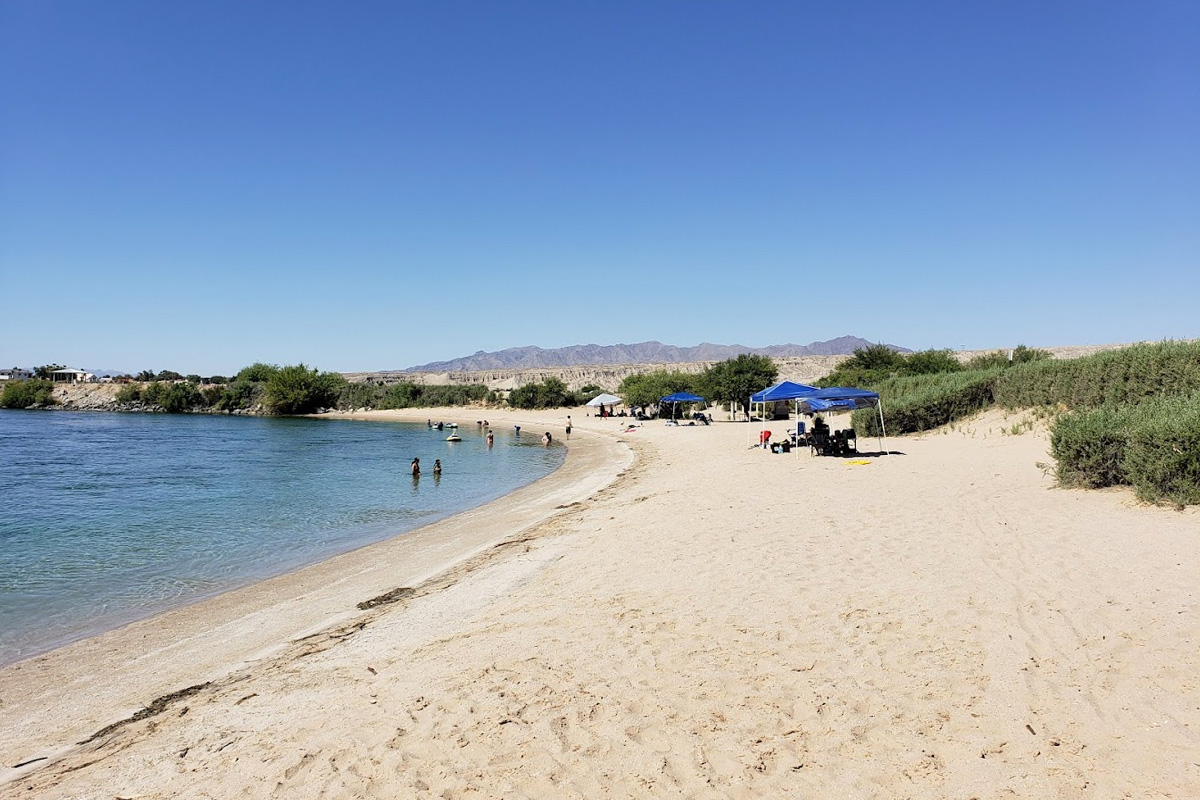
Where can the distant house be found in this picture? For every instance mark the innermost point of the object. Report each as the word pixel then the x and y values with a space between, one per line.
pixel 71 376
pixel 15 374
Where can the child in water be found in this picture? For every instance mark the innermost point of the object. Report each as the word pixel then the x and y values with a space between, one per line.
pixel 437 467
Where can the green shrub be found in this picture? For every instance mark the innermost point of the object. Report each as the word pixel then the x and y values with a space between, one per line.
pixel 23 394
pixel 1000 358
pixel 359 395
pixel 923 402
pixel 1153 446
pixel 1089 446
pixel 1127 375
pixel 179 397
pixel 211 395
pixel 454 394
pixel 129 393
pixel 239 395
pixel 154 393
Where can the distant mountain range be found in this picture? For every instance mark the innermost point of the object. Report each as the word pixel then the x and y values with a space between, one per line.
pixel 640 353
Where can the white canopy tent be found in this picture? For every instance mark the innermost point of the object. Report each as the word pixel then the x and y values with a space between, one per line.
pixel 602 400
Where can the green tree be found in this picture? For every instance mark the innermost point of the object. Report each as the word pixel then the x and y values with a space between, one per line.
pixel 299 390
pixel 735 379
pixel 549 393
pixel 646 388
pixel 257 372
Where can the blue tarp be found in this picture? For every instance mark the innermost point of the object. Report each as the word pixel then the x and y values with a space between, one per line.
pixel 681 397
pixel 785 390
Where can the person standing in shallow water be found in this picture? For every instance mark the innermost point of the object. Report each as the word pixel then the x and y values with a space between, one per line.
pixel 547 438
pixel 490 439
pixel 437 467
pixel 416 468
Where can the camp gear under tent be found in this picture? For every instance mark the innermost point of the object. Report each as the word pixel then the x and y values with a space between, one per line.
pixel 784 390
pixel 843 398
pixel 680 397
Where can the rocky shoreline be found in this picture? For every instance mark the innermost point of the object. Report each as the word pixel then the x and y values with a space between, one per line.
pixel 103 397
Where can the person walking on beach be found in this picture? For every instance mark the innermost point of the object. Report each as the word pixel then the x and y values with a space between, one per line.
pixel 416 468
pixel 568 424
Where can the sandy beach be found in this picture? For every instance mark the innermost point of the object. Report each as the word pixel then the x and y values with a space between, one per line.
pixel 671 614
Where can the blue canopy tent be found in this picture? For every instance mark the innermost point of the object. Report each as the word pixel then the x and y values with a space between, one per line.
pixel 784 390
pixel 843 398
pixel 680 397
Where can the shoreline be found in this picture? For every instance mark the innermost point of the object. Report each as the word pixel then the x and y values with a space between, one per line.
pixel 214 637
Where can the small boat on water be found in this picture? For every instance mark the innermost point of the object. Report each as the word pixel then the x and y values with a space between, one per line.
pixel 454 437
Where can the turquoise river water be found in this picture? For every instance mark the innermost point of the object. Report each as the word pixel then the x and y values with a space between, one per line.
pixel 107 518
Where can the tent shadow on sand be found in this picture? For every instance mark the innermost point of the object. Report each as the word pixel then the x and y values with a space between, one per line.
pixel 864 454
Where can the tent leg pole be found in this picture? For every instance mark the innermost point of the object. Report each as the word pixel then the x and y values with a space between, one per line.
pixel 882 427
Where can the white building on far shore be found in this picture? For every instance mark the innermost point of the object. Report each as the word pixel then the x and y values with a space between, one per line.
pixel 15 374
pixel 71 376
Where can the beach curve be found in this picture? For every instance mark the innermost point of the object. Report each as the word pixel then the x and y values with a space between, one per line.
pixel 114 676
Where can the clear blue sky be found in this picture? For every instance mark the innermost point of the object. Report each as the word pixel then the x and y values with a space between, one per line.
pixel 371 185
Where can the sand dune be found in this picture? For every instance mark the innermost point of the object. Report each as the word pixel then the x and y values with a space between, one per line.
pixel 705 620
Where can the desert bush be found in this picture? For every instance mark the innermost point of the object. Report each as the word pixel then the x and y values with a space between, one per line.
pixel 1127 375
pixel 23 394
pixel 1089 446
pixel 1163 462
pixel 1153 446
pixel 359 395
pixel 999 358
pixel 923 402
pixel 129 393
